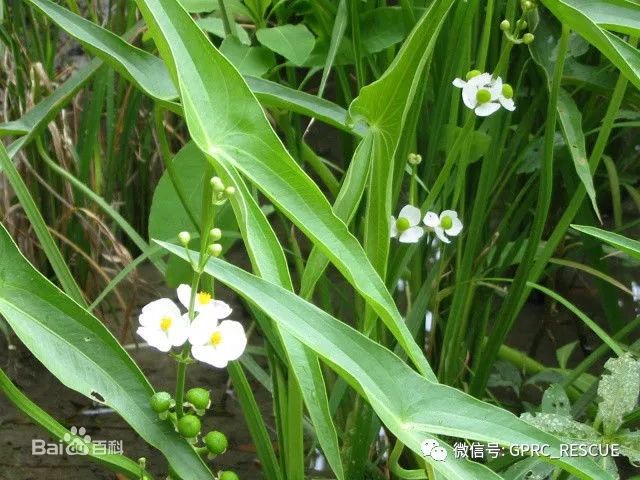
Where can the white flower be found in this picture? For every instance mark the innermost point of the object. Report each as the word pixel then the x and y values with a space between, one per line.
pixel 203 302
pixel 481 92
pixel 445 224
pixel 162 326
pixel 406 228
pixel 216 343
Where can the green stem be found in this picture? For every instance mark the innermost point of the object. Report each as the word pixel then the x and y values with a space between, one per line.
pixel 509 308
pixel 229 26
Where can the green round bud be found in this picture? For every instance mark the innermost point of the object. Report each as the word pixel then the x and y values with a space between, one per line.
pixel 483 96
pixel 161 402
pixel 522 24
pixel 505 25
pixel 473 73
pixel 215 249
pixel 507 91
pixel 199 398
pixel 230 191
pixel 228 475
pixel 217 184
pixel 216 442
pixel 185 238
pixel 402 224
pixel 414 159
pixel 215 234
pixel 446 222
pixel 528 5
pixel 189 426
pixel 527 38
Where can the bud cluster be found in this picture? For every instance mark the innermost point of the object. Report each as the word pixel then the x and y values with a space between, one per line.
pixel 514 34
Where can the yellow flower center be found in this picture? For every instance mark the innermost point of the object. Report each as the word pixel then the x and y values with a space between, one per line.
pixel 204 298
pixel 165 323
pixel 216 339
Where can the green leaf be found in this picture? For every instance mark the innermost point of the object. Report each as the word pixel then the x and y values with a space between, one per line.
pixel 556 401
pixel 564 353
pixel 624 244
pixel 115 463
pixel 382 28
pixel 77 349
pixel 273 94
pixel 411 406
pixel 618 391
pixel 142 68
pixel 620 16
pixel 625 57
pixel 229 125
pixel 254 61
pixel 563 427
pixel 293 42
pixel 571 122
pixel 215 26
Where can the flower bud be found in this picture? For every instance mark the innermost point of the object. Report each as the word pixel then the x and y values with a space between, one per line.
pixel 527 38
pixel 414 159
pixel 473 73
pixel 507 90
pixel 161 402
pixel 528 5
pixel 216 442
pixel 185 238
pixel 217 184
pixel 215 249
pixel 215 234
pixel 230 191
pixel 505 25
pixel 228 475
pixel 199 398
pixel 522 24
pixel 189 426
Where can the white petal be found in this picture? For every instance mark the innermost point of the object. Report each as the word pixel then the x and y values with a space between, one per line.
pixel 507 103
pixel 208 354
pixel 496 89
pixel 481 80
pixel 218 308
pixel 458 82
pixel 155 338
pixel 411 213
pixel 487 109
pixel 184 295
pixel 234 340
pixel 160 308
pixel 431 219
pixel 469 96
pixel 440 233
pixel 201 329
pixel 455 229
pixel 393 228
pixel 179 331
pixel 449 213
pixel 411 235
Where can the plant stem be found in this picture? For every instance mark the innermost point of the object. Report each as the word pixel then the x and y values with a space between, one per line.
pixel 509 309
